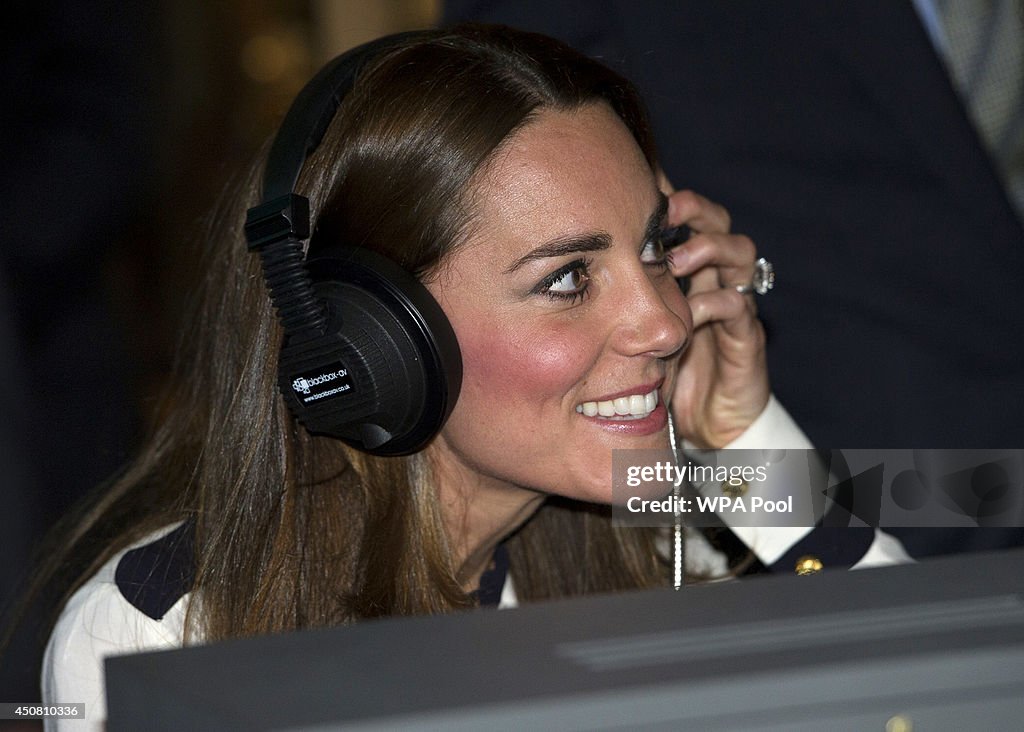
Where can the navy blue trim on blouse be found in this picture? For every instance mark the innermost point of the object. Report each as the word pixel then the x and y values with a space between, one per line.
pixel 835 546
pixel 492 581
pixel 152 578
pixel 155 576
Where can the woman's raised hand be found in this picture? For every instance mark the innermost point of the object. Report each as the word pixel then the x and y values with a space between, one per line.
pixel 722 385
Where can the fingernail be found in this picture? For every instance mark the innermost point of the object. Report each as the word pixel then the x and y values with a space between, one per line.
pixel 679 257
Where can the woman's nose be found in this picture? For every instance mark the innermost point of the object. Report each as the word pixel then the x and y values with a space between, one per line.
pixel 654 319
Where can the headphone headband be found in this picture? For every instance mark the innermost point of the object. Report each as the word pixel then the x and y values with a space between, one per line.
pixel 282 213
pixel 313 109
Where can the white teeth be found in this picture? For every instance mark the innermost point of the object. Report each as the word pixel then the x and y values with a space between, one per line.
pixel 634 406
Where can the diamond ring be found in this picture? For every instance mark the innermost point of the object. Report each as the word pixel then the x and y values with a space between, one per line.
pixel 762 281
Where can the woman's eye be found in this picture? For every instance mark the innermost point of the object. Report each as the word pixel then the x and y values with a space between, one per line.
pixel 571 281
pixel 568 282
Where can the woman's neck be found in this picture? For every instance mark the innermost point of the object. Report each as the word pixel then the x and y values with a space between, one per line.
pixel 479 513
pixel 486 521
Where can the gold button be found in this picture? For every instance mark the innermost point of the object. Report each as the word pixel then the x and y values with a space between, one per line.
pixel 808 564
pixel 900 723
pixel 735 488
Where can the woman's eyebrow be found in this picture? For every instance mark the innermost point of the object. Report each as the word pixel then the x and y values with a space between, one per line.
pixel 562 246
pixel 590 242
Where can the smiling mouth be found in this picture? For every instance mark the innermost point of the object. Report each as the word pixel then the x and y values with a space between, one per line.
pixel 635 406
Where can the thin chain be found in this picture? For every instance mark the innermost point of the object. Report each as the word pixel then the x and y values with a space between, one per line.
pixel 678 545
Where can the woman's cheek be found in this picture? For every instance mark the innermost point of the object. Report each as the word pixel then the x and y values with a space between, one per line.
pixel 538 365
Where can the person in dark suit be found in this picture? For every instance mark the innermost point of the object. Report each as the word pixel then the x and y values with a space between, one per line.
pixel 836 137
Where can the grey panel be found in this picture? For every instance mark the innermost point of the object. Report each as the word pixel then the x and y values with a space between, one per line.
pixel 941 642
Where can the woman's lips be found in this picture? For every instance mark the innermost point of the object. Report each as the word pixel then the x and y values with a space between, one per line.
pixel 638 425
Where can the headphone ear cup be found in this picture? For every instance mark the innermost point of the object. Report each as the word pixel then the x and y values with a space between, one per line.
pixel 386 372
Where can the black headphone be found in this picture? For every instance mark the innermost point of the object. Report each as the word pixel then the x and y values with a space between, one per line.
pixel 368 355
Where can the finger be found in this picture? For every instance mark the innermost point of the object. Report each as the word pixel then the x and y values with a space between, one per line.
pixel 731 255
pixel 736 312
pixel 697 212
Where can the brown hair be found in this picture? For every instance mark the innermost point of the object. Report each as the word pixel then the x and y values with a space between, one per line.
pixel 294 530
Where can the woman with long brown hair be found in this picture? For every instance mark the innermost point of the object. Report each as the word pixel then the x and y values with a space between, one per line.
pixel 516 182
